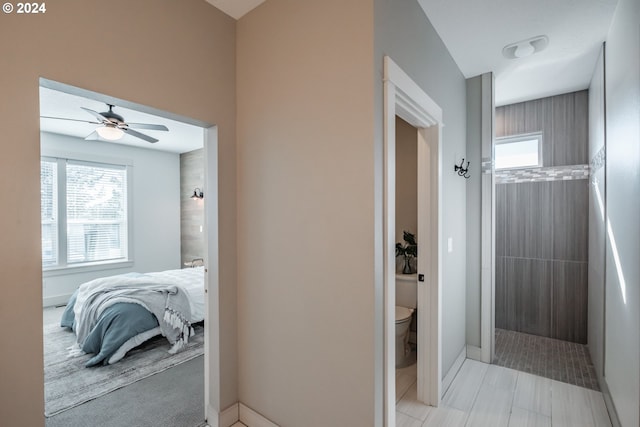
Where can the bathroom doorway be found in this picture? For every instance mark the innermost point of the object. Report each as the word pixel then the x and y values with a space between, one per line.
pixel 406 100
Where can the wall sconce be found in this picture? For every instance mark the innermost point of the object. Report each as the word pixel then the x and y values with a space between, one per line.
pixel 197 194
pixel 461 170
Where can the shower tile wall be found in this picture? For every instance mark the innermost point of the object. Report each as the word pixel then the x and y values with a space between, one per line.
pixel 542 223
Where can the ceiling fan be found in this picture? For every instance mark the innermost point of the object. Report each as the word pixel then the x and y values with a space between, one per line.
pixel 113 127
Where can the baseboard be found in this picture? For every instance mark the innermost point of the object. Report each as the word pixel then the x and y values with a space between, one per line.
pixel 230 416
pixel 611 408
pixel 474 352
pixel 448 379
pixel 55 300
pixel 251 418
pixel 226 418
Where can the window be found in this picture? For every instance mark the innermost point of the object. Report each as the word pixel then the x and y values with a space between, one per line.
pixel 518 151
pixel 84 213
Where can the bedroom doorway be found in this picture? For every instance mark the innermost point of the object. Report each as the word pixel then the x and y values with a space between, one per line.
pixel 150 240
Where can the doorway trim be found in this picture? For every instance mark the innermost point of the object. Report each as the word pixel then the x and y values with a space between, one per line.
pixel 213 413
pixel 405 99
pixel 212 409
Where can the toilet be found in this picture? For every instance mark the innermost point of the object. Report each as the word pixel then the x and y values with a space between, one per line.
pixel 406 302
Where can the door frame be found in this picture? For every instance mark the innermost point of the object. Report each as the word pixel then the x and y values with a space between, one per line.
pixel 405 99
pixel 212 409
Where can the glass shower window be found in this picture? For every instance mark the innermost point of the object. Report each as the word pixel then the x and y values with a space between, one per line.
pixel 518 151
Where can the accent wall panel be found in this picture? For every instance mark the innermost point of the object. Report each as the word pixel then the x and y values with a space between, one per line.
pixel 562 119
pixel 542 219
pixel 191 211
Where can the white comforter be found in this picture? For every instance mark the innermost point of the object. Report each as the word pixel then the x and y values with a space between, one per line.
pixel 192 281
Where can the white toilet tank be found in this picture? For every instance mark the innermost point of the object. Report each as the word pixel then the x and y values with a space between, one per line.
pixel 407 290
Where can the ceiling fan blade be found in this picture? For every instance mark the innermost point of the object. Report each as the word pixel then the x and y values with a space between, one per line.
pixel 140 135
pixel 93 136
pixel 96 115
pixel 147 126
pixel 71 120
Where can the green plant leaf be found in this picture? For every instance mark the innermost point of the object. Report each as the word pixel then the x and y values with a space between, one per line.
pixel 409 238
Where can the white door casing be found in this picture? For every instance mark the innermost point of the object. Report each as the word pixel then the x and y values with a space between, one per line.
pixel 405 99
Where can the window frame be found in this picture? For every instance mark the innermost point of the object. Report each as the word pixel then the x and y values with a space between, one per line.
pixel 512 139
pixel 63 266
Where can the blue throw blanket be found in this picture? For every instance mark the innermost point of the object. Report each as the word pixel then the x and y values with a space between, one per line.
pixel 108 312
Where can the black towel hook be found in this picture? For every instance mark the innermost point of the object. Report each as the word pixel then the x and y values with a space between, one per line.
pixel 462 170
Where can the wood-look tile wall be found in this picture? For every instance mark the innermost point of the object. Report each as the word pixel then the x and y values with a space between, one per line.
pixel 542 227
pixel 563 121
pixel 191 211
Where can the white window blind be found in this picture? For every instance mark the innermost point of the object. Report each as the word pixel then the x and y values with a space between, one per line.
pixel 96 212
pixel 87 203
pixel 49 211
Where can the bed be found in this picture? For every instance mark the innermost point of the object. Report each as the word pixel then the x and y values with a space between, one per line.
pixel 112 315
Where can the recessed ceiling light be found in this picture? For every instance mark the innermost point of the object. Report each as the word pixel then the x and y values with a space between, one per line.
pixel 525 48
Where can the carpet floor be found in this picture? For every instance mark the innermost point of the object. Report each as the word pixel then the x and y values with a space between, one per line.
pixel 173 398
pixel 68 383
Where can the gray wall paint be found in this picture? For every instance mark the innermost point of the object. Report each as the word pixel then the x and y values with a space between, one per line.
pixel 403 33
pixel 191 211
pixel 156 210
pixel 474 194
pixel 597 215
pixel 542 227
pixel 622 353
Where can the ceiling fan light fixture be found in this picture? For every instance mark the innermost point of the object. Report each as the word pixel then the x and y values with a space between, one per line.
pixel 110 133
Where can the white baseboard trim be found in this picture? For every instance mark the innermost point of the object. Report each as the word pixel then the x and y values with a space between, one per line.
pixel 474 352
pixel 448 379
pixel 226 418
pixel 251 418
pixel 211 416
pixel 55 300
pixel 611 408
pixel 230 416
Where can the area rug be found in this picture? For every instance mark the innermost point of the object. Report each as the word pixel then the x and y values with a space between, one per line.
pixel 67 383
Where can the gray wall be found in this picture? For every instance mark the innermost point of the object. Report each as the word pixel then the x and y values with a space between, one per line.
pixel 597 215
pixel 622 366
pixel 542 222
pixel 474 194
pixel 191 211
pixel 403 33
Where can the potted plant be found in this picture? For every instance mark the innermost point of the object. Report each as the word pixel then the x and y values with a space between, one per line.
pixel 409 251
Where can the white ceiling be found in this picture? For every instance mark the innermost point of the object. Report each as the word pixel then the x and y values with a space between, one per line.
pixel 475 31
pixel 180 138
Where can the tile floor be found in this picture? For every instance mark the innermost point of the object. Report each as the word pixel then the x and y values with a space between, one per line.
pixel 563 361
pixel 484 395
